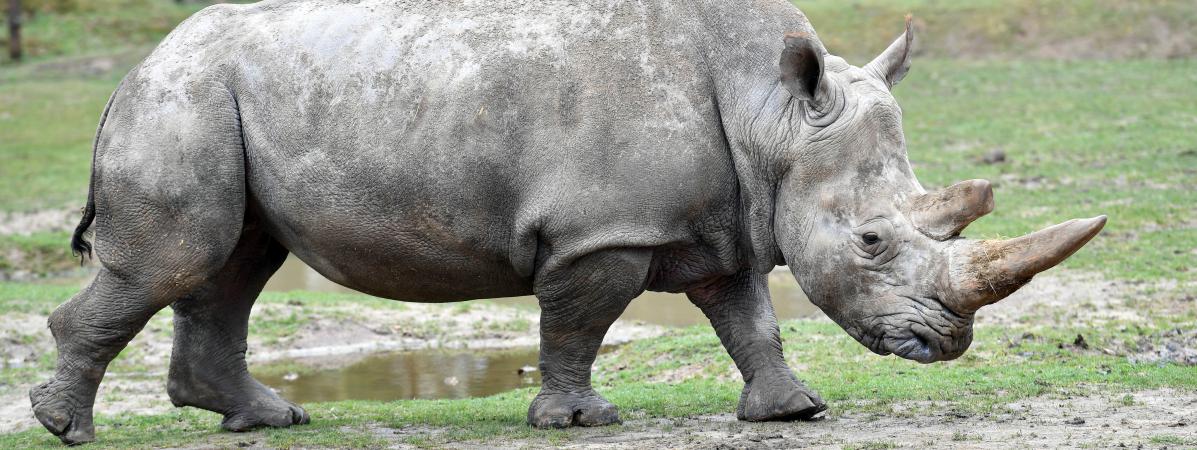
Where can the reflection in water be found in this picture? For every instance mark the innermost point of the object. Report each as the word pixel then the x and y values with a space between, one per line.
pixel 651 307
pixel 428 374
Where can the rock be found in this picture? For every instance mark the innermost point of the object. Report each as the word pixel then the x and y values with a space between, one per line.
pixel 994 157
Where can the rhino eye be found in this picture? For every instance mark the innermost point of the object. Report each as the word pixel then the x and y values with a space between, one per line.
pixel 870 238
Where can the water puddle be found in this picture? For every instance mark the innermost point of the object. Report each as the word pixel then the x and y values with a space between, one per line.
pixel 425 374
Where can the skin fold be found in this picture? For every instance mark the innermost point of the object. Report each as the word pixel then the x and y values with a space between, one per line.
pixel 581 151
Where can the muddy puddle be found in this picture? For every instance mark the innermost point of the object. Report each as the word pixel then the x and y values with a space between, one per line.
pixel 672 310
pixel 425 374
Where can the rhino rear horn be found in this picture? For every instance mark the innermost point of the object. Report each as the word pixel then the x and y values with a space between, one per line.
pixel 944 214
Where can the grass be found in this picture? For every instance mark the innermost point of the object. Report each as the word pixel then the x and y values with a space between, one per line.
pixel 1100 137
pixel 1003 29
pixel 77 27
pixel 947 28
pixel 1171 439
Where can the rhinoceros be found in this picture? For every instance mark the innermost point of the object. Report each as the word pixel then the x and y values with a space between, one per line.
pixel 582 151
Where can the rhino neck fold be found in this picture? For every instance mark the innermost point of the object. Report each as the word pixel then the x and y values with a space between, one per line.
pixel 743 44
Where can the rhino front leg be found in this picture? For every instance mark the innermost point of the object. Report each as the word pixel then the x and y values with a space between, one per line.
pixel 741 312
pixel 578 304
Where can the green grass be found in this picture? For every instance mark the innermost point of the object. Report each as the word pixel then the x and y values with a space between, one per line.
pixel 1082 139
pixel 861 28
pixel 37 253
pixel 1171 439
pixel 1003 29
pixel 47 128
pixel 77 27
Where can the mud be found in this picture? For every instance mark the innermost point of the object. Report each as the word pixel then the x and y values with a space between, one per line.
pixel 1097 420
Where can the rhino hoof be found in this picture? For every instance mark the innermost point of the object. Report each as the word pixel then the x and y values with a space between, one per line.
pixel 57 413
pixel 569 409
pixel 280 416
pixel 784 402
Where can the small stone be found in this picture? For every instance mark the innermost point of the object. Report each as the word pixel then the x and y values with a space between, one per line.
pixel 994 157
pixel 1075 421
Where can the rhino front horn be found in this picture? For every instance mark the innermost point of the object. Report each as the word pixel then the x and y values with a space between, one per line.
pixel 983 272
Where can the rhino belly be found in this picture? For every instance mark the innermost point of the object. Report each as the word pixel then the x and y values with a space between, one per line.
pixel 415 249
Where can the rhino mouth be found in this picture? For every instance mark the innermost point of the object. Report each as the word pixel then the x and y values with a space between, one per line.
pixel 916 348
pixel 926 332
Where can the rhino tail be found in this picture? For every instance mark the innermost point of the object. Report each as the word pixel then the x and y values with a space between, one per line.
pixel 80 247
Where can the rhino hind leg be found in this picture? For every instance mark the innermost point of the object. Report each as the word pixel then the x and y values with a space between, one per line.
pixel 90 330
pixel 149 258
pixel 578 305
pixel 742 314
pixel 207 364
pixel 168 199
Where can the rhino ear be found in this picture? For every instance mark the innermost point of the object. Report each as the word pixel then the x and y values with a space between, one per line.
pixel 802 66
pixel 891 66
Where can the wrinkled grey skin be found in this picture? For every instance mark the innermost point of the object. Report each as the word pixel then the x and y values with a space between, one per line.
pixel 583 151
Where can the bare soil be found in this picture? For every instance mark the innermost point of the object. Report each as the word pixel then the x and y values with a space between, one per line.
pixel 1099 420
pixel 21 223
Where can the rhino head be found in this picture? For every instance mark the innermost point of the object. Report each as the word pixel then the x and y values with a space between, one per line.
pixel 875 251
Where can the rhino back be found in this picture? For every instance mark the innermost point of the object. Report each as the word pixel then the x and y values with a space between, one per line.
pixel 468 142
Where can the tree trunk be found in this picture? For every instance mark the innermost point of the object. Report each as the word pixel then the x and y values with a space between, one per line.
pixel 14 29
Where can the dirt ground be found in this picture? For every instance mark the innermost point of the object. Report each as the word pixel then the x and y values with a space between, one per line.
pixel 1097 421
